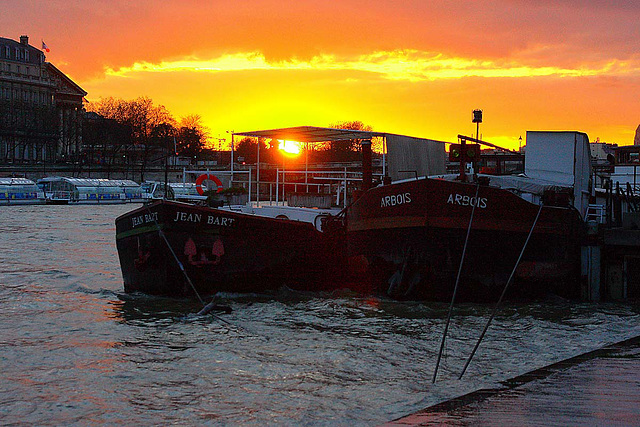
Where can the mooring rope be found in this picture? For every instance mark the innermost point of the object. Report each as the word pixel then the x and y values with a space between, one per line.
pixel 206 308
pixel 504 291
pixel 455 288
pixel 184 272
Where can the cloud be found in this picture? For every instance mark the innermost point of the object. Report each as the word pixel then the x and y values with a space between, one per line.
pixel 407 65
pixel 90 34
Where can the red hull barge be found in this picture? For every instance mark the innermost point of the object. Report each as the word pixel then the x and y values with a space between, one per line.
pixel 220 250
pixel 406 240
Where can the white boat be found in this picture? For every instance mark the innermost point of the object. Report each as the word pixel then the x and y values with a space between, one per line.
pixel 20 191
pixel 65 190
pixel 182 191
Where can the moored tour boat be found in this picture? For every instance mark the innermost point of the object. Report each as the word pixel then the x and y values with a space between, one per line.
pixel 62 190
pixel 20 191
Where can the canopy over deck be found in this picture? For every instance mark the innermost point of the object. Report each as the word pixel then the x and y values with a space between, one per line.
pixel 424 156
pixel 312 134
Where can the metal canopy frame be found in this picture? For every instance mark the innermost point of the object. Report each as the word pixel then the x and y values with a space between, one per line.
pixel 304 134
pixel 312 134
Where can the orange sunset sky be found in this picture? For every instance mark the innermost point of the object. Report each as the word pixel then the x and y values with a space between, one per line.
pixel 417 68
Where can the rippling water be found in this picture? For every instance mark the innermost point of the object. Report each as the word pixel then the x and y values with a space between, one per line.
pixel 75 349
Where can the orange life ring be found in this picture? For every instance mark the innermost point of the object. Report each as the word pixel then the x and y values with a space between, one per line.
pixel 210 177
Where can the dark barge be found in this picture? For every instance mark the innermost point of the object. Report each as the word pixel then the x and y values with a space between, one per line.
pixel 405 239
pixel 220 250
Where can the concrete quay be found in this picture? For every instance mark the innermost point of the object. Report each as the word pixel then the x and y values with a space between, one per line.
pixel 599 388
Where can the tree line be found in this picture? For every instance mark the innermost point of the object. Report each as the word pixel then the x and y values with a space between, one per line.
pixel 138 132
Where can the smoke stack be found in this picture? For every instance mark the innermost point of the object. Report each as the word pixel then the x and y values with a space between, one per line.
pixel 367 177
pixel 24 40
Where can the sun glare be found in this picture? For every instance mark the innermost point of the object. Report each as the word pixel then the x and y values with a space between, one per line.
pixel 290 147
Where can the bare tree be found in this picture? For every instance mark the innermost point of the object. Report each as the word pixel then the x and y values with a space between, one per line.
pixel 192 136
pixel 344 150
pixel 142 117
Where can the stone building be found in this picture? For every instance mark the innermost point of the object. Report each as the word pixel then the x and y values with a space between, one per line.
pixel 41 109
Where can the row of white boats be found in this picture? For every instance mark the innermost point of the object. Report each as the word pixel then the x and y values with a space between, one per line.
pixel 66 190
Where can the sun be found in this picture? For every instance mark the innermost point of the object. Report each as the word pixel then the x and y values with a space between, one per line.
pixel 290 147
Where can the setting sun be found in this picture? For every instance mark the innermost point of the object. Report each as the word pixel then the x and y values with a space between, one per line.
pixel 290 147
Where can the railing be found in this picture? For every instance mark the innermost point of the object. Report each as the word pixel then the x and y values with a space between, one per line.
pixel 596 213
pixel 338 183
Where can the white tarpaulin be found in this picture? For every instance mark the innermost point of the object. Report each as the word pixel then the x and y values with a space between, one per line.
pixel 408 156
pixel 515 183
pixel 562 157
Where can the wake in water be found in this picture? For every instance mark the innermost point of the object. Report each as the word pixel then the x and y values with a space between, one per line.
pixel 76 348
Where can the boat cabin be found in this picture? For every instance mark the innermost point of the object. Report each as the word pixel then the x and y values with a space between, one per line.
pixel 626 171
pixel 182 191
pixel 20 191
pixel 65 190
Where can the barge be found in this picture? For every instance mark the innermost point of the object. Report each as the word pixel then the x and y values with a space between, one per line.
pixel 406 239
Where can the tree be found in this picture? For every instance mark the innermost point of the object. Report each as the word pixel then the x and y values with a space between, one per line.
pixel 192 136
pixel 149 125
pixel 104 138
pixel 162 137
pixel 248 148
pixel 343 151
pixel 189 142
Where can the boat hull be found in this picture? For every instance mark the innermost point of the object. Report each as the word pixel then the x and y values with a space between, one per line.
pixel 9 201
pixel 404 240
pixel 220 251
pixel 407 239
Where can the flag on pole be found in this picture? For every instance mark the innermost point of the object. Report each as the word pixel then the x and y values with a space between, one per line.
pixel 45 47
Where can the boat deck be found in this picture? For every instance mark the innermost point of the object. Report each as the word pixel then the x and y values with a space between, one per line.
pixel 601 387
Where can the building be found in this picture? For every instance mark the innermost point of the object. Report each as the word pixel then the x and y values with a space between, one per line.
pixel 602 152
pixel 40 107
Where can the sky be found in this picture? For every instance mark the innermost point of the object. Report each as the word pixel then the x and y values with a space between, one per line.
pixel 415 67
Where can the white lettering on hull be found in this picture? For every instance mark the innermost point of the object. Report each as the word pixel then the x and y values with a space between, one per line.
pixel 144 219
pixel 187 217
pixel 463 200
pixel 395 200
pixel 210 219
pixel 220 220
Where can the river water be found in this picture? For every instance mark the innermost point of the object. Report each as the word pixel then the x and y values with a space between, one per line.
pixel 74 349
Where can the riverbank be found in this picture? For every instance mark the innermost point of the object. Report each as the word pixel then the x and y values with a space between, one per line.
pixel 601 387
